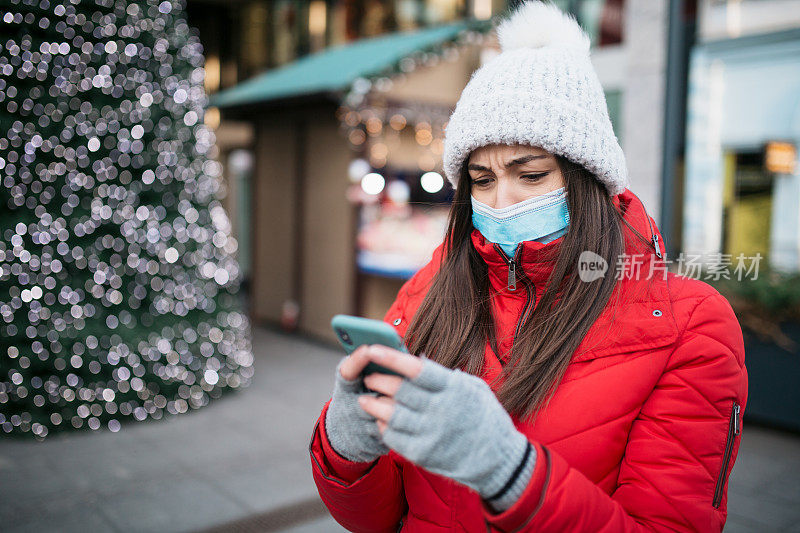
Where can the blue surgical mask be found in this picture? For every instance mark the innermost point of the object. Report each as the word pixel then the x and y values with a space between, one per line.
pixel 542 218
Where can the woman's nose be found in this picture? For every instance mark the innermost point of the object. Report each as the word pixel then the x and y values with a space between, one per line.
pixel 505 196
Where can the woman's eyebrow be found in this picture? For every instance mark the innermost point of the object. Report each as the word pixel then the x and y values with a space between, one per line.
pixel 524 159
pixel 513 162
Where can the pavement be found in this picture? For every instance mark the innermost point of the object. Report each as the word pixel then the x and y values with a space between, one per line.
pixel 241 464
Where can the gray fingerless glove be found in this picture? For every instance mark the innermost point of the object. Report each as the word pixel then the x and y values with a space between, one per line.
pixel 451 423
pixel 351 431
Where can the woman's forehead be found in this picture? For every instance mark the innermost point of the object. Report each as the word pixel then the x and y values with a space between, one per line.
pixel 505 150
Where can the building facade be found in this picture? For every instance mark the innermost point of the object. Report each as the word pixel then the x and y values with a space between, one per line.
pixel 743 117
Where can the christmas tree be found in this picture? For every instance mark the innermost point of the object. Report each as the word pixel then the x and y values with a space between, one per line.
pixel 118 278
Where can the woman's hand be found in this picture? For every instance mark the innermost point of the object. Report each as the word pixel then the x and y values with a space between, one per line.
pixel 352 431
pixel 448 422
pixel 382 407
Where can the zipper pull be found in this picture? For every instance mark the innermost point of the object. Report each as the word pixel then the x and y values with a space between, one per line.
pixel 655 243
pixel 737 428
pixel 512 275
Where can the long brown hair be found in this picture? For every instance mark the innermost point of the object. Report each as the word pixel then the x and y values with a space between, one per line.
pixel 454 320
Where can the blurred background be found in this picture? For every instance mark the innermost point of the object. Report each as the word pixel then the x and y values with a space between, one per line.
pixel 281 163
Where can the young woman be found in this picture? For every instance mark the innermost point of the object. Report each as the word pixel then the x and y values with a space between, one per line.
pixel 562 379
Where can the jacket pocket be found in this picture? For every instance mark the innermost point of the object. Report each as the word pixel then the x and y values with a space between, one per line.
pixel 734 428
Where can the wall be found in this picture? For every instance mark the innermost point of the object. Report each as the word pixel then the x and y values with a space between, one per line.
pixel 272 216
pixel 645 40
pixel 378 294
pixel 312 261
pixel 328 258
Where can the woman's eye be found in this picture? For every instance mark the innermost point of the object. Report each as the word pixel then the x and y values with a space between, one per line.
pixel 534 177
pixel 481 183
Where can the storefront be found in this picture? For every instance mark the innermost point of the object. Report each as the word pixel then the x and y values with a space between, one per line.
pixel 344 198
pixel 346 194
pixel 743 112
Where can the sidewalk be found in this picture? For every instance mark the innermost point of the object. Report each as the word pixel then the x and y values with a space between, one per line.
pixel 241 464
pixel 244 455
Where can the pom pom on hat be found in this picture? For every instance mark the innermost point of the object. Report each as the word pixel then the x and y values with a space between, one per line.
pixel 536 24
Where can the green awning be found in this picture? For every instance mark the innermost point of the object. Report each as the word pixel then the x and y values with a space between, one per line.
pixel 335 68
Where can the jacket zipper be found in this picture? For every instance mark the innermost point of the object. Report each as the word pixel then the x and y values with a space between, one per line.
pixel 734 428
pixel 653 234
pixel 513 263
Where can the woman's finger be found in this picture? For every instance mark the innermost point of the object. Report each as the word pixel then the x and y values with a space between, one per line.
pixel 383 383
pixel 401 362
pixel 382 426
pixel 380 407
pixel 354 363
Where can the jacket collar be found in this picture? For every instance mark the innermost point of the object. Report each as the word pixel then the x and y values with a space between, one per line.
pixel 639 315
pixel 537 260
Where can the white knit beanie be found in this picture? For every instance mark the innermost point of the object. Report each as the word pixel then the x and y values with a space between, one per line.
pixel 541 90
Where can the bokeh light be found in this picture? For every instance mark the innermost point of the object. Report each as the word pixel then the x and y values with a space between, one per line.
pixel 432 182
pixel 372 183
pixel 118 278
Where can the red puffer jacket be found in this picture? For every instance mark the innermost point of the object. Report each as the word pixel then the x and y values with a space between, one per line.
pixel 641 434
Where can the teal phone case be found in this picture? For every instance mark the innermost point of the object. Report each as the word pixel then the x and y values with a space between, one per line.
pixel 353 331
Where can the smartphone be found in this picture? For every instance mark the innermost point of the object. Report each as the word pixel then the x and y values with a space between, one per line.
pixel 353 331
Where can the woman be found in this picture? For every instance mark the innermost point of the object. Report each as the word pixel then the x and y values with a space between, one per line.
pixel 565 381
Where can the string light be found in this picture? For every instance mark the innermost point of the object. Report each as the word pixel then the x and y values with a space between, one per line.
pixel 118 281
pixel 362 115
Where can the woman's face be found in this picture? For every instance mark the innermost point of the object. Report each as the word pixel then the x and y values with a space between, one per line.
pixel 503 175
